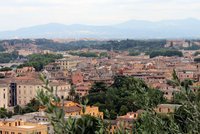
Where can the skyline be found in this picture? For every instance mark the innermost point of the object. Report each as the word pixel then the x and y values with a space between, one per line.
pixel 24 13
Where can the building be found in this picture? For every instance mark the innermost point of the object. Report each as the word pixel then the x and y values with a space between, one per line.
pixel 83 89
pixel 4 98
pixel 125 121
pixel 52 67
pixel 67 64
pixel 74 109
pixel 77 77
pixel 36 117
pixel 25 70
pixel 11 126
pixel 166 108
pixel 20 90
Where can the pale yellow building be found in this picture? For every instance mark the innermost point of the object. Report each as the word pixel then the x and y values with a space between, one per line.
pixel 74 109
pixel 67 64
pixel 166 108
pixel 11 126
pixel 26 91
pixel 4 96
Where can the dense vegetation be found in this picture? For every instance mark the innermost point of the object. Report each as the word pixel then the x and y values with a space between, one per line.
pixel 168 53
pixel 197 59
pixel 133 94
pixel 136 45
pixel 8 57
pixel 32 106
pixel 134 53
pixel 125 95
pixel 193 47
pixel 4 113
pixel 38 61
pixel 1 48
pixel 73 45
pixel 6 69
pixel 90 54
pixel 185 120
pixel 84 54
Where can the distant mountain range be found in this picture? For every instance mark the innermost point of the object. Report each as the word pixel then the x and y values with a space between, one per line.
pixel 184 28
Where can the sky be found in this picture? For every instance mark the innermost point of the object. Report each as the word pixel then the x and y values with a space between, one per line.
pixel 16 14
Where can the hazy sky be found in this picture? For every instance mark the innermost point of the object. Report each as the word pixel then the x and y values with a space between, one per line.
pixel 22 13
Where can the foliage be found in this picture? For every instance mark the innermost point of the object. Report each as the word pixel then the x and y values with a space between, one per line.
pixel 4 113
pixel 32 106
pixel 136 45
pixel 6 69
pixel 8 57
pixel 128 92
pixel 98 87
pixel 152 123
pixel 85 125
pixel 185 120
pixel 103 54
pixel 133 53
pixel 165 53
pixel 84 54
pixel 197 59
pixel 73 96
pixel 1 48
pixel 196 53
pixel 193 47
pixel 65 46
pixel 38 61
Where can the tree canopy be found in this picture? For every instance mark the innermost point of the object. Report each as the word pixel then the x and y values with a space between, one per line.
pixel 126 94
pixel 38 61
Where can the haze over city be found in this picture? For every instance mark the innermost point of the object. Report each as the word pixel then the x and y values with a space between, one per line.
pixel 24 13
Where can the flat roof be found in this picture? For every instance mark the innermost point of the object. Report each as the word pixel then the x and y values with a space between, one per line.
pixel 26 127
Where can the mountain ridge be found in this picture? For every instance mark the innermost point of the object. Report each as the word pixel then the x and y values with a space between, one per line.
pixel 182 28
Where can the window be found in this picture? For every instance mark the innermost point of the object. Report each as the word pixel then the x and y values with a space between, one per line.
pixel 168 110
pixel 4 95
pixel 160 109
pixel 12 132
pixel 134 115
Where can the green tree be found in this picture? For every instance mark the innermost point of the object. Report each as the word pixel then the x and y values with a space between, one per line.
pixel 85 124
pixel 4 113
pixel 5 69
pixel 123 110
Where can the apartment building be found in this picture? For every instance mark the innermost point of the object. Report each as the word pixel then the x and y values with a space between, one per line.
pixel 20 90
pixel 166 108
pixel 67 64
pixel 4 95
pixel 74 109
pixel 11 126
